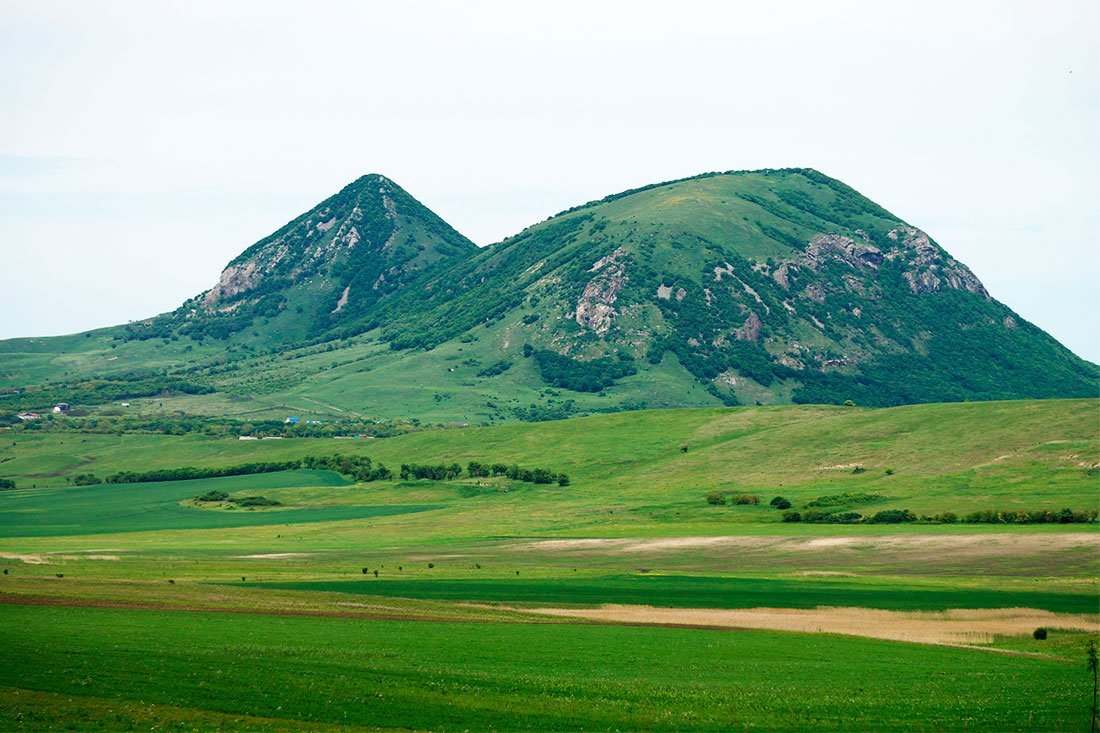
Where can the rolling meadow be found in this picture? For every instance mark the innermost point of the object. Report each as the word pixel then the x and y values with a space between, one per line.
pixel 623 598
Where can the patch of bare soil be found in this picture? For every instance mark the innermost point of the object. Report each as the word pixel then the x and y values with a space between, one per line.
pixel 274 555
pixel 629 545
pixel 25 558
pixel 956 626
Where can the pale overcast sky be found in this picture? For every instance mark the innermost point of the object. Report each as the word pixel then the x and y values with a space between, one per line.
pixel 145 144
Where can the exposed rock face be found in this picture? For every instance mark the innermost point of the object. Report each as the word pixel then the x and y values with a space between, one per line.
pixel 782 275
pixel 928 268
pixel 931 268
pixel 294 254
pixel 595 307
pixel 836 247
pixel 234 280
pixel 343 300
pixel 815 292
pixel 750 330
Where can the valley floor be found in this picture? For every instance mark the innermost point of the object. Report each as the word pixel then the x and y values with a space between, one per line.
pixel 620 601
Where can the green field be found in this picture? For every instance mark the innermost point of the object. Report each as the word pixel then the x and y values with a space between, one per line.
pixel 112 508
pixel 415 603
pixel 708 592
pixel 279 670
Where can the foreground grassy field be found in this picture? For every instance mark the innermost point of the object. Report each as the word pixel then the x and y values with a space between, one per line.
pixel 265 671
pixel 479 603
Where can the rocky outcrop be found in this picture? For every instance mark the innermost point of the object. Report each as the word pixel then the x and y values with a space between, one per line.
pixel 750 330
pixel 825 247
pixel 929 267
pixel 595 307
pixel 236 279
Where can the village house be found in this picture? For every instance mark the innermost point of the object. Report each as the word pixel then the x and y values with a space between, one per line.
pixel 61 407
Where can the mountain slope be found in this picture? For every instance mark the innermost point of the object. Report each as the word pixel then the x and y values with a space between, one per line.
pixel 766 286
pixel 327 268
pixel 749 287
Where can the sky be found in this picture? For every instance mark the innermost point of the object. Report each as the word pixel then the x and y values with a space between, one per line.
pixel 145 144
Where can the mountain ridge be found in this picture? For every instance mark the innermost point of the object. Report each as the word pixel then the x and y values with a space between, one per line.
pixel 737 287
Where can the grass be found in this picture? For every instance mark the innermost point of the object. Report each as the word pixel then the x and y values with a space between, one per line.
pixel 275 651
pixel 269 671
pixel 1021 454
pixel 708 592
pixel 115 508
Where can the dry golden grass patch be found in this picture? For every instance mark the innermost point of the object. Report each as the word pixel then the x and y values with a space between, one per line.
pixel 956 626
pixel 941 545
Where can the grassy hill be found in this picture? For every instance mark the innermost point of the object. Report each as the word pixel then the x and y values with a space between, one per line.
pixel 760 287
pixel 655 467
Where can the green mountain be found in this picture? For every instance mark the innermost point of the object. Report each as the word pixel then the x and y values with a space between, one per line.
pixel 332 265
pixel 764 286
pixel 751 287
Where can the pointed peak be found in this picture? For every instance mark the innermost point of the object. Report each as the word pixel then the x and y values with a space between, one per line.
pixel 370 180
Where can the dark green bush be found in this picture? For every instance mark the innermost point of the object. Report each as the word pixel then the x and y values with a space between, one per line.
pixel 780 503
pixel 893 516
pixel 247 501
pixel 582 376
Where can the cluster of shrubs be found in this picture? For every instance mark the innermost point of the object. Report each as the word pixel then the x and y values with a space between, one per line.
pixel 817 516
pixel 845 499
pixel 357 467
pixel 1064 516
pixel 494 369
pixel 6 483
pixel 716 499
pixel 245 501
pixel 475 469
pixel 899 516
pixel 593 375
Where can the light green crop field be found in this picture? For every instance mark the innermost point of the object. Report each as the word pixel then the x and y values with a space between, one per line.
pixel 419 604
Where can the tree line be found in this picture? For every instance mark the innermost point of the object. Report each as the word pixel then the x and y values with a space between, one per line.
pixel 358 468
pixel 187 473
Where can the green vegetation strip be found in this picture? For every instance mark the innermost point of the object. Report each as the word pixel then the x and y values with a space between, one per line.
pixel 686 591
pixel 448 676
pixel 108 508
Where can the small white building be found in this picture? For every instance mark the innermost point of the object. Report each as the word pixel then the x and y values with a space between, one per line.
pixel 61 407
